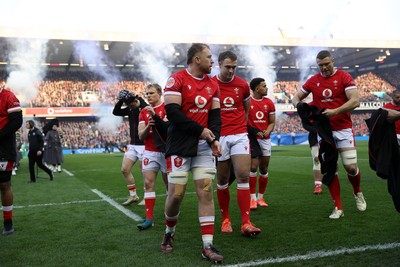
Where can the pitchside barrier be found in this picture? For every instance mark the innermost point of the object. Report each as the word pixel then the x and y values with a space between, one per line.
pixel 285 140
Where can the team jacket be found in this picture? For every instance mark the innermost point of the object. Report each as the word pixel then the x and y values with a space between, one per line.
pixel 383 150
pixel 36 142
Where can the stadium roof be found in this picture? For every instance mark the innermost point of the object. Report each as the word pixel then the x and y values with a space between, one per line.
pixel 67 55
pixel 282 35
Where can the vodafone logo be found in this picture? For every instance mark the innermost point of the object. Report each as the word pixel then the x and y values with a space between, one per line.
pixel 228 102
pixel 200 101
pixel 259 115
pixel 50 111
pixel 327 93
pixel 170 82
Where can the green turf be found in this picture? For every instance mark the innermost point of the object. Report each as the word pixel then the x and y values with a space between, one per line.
pixel 64 223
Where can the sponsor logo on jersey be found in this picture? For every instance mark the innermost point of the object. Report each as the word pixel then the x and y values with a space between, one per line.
pixel 228 102
pixel 200 101
pixel 327 93
pixel 259 115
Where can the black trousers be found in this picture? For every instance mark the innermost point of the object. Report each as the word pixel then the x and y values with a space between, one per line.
pixel 34 158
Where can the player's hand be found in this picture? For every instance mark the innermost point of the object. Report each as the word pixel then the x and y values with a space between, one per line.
pixel 329 112
pixel 39 152
pixel 151 122
pixel 150 110
pixel 216 149
pixel 207 135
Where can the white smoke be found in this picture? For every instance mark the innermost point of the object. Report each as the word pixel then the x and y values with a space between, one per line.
pixel 154 60
pixel 305 60
pixel 27 58
pixel 107 121
pixel 90 54
pixel 259 60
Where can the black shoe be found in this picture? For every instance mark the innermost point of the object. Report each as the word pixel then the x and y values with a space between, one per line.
pixel 8 228
pixel 51 176
pixel 31 181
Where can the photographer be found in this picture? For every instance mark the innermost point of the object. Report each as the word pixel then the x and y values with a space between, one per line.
pixel 134 150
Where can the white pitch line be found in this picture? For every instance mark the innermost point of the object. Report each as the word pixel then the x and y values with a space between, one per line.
pixel 127 212
pixel 318 254
pixel 77 202
pixel 67 172
pixel 57 204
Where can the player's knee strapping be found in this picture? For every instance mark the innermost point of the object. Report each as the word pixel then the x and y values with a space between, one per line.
pixel 179 179
pixel 349 157
pixel 207 174
pixel 314 154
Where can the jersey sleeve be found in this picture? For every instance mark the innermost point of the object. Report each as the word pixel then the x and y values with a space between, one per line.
pixel 13 103
pixel 246 93
pixel 348 82
pixel 173 85
pixel 271 106
pixel 142 116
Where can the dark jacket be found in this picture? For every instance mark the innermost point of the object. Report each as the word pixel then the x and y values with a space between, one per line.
pixel 133 116
pixel 36 142
pixel 313 120
pixel 383 150
pixel 183 133
pixel 255 148
pixel 159 132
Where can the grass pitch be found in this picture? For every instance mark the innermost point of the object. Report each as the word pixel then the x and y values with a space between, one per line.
pixel 74 221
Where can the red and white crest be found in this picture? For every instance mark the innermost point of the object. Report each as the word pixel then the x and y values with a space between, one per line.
pixel 178 162
pixel 146 161
pixel 170 82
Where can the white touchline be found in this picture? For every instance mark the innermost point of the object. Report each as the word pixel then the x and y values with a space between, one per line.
pixel 317 254
pixel 127 212
pixel 56 204
pixel 77 202
pixel 69 173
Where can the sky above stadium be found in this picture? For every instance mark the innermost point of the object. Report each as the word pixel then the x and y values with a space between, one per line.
pixel 211 21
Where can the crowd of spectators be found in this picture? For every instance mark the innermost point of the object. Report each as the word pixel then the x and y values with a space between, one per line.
pixel 79 133
pixel 64 93
pixel 60 90
pixel 81 89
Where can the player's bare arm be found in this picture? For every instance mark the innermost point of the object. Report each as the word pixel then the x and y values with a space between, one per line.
pixel 393 115
pixel 352 103
pixel 300 95
pixel 271 125
pixel 246 105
